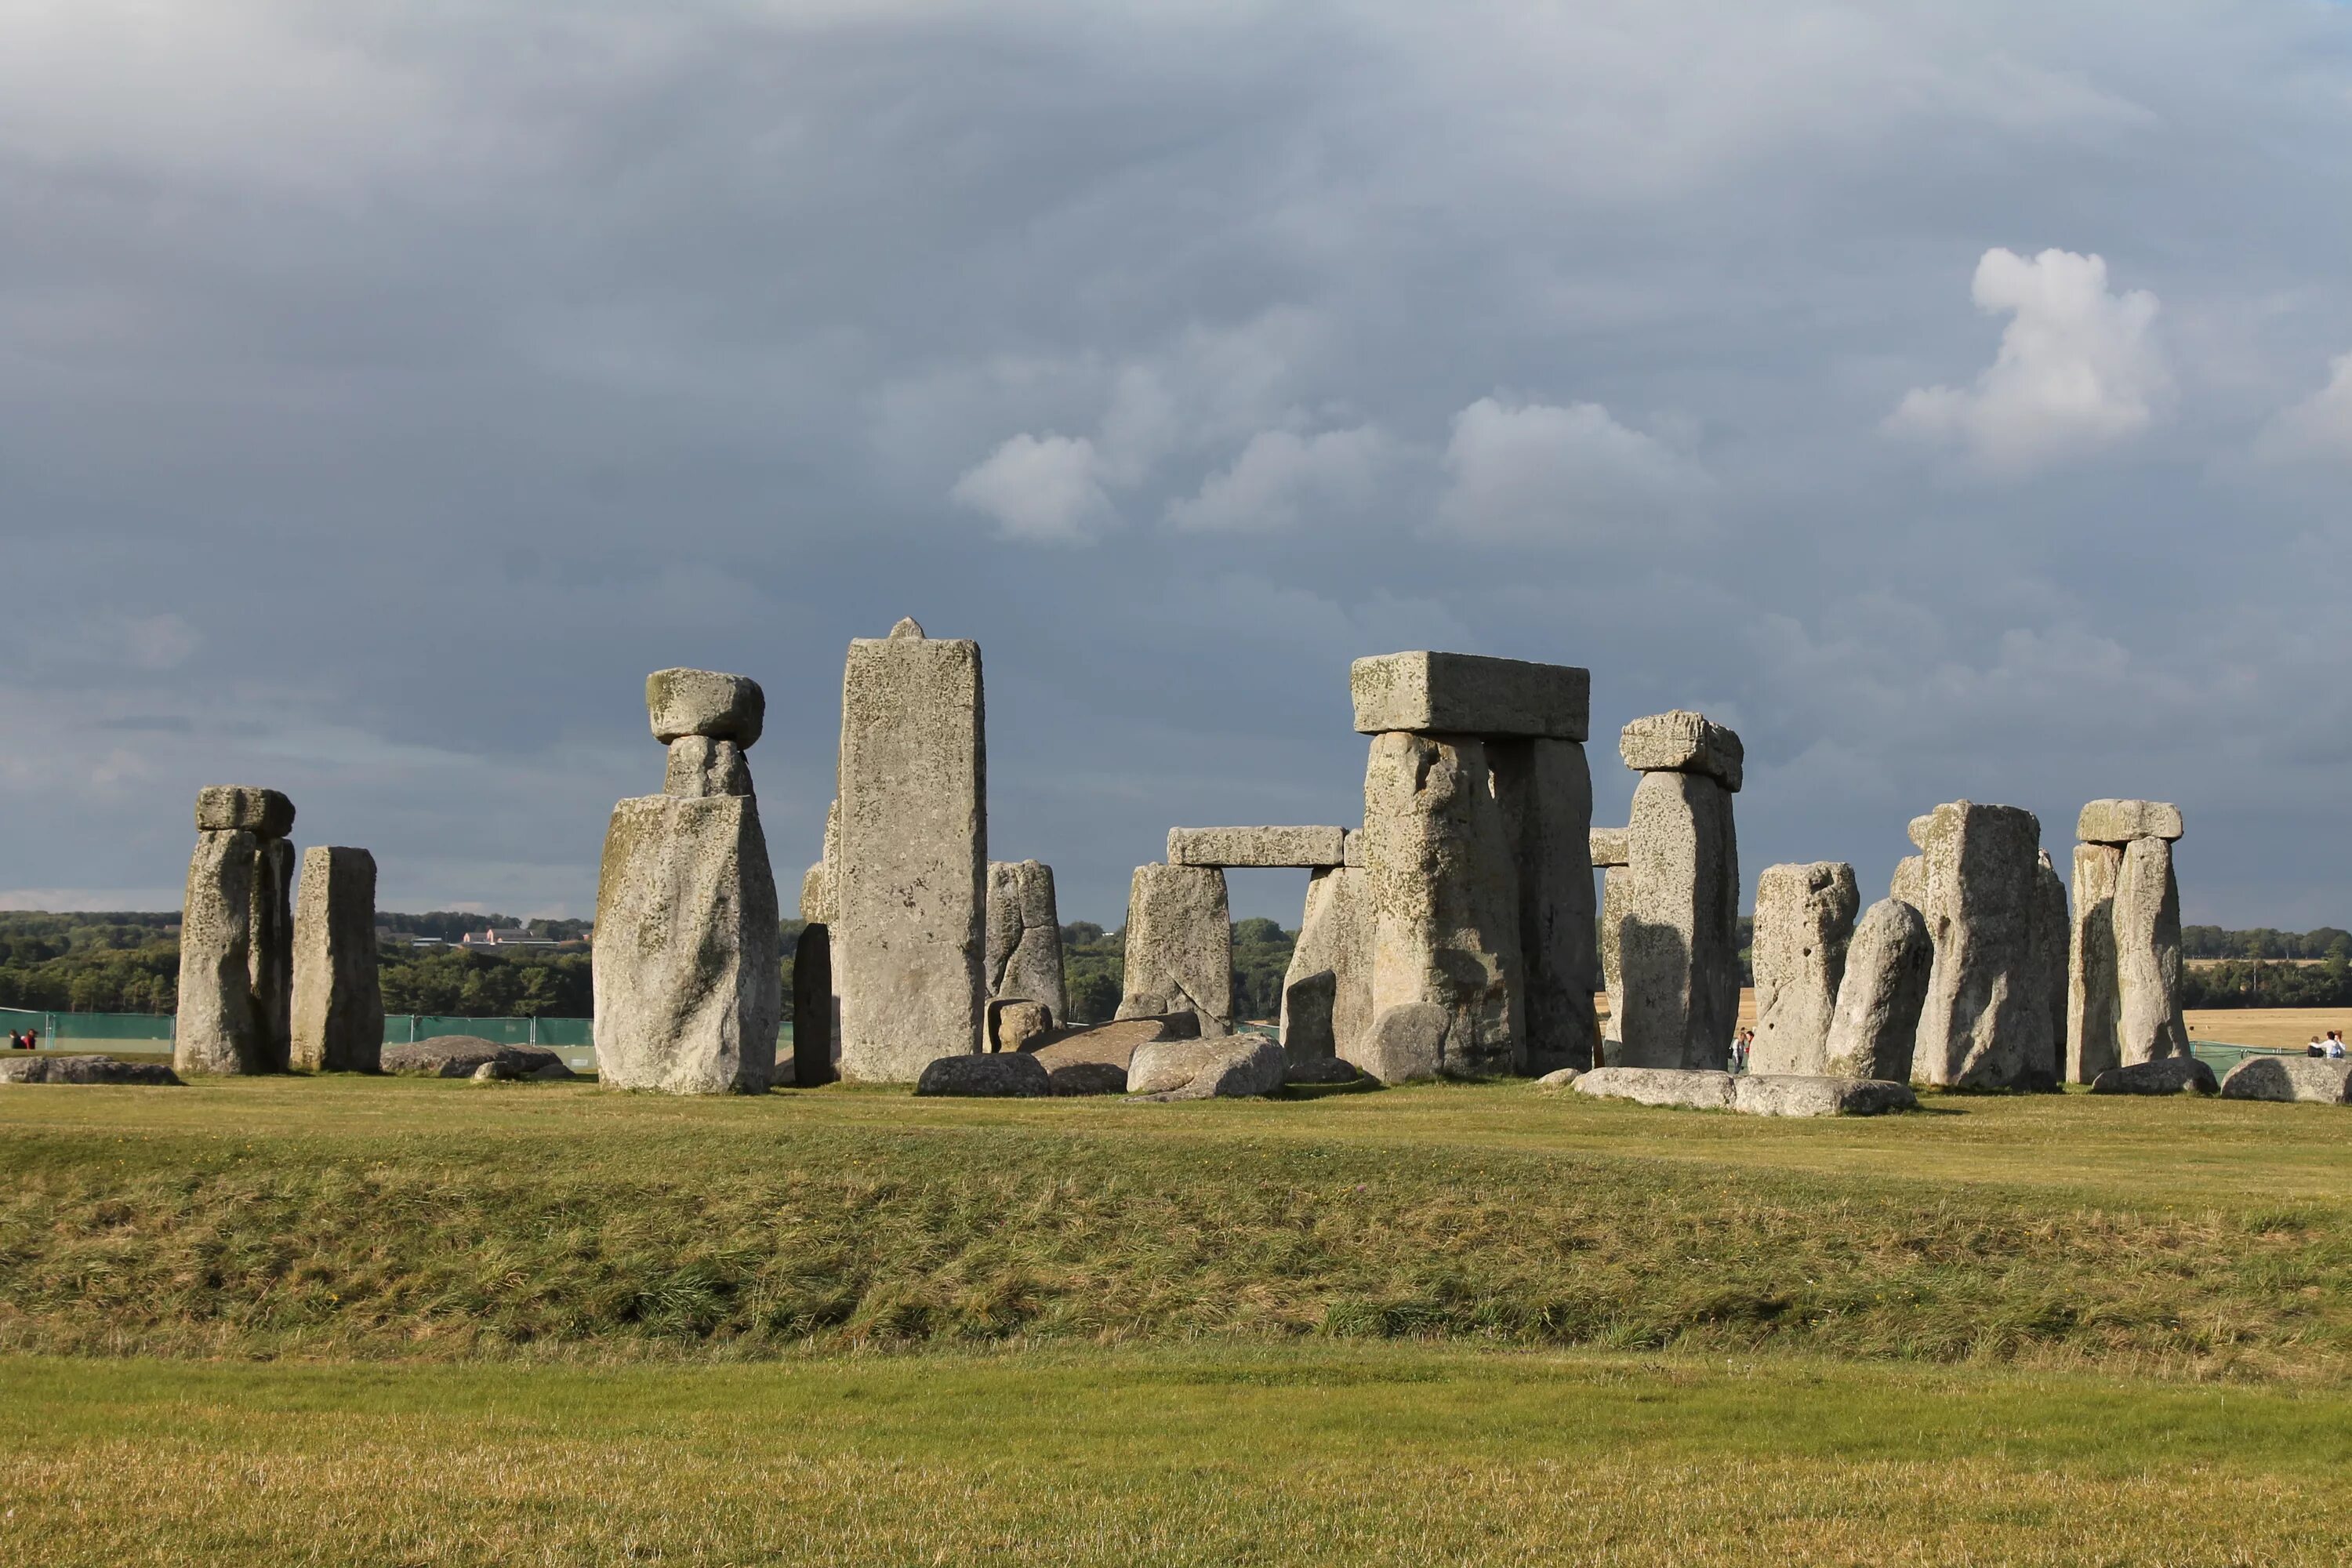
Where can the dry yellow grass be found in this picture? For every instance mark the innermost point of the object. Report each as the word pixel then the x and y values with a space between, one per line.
pixel 2285 1026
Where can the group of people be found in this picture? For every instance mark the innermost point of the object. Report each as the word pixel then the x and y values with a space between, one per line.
pixel 2329 1044
pixel 29 1040
pixel 1742 1042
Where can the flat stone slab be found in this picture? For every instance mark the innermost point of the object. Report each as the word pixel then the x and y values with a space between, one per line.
pixel 1232 1067
pixel 2165 1074
pixel 1610 845
pixel 1810 1094
pixel 1683 742
pixel 462 1056
pixel 2314 1080
pixel 1305 848
pixel 1322 1071
pixel 1094 1061
pixel 1004 1074
pixel 1470 694
pixel 1690 1088
pixel 224 808
pixel 1560 1078
pixel 83 1069
pixel 2121 821
pixel 680 702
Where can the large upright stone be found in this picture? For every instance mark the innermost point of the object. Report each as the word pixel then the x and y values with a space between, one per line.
pixel 1876 1021
pixel 215 1031
pixel 271 967
pixel 1544 789
pixel 910 881
pixel 1335 938
pixel 2150 1027
pixel 1179 947
pixel 813 1006
pixel 2051 938
pixel 1445 904
pixel 1804 920
pixel 1679 938
pixel 1024 936
pixel 1986 1024
pixel 338 997
pixel 1470 694
pixel 1616 899
pixel 2093 1014
pixel 688 979
pixel 1305 848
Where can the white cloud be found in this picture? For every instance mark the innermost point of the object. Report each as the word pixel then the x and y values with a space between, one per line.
pixel 1279 475
pixel 2078 369
pixel 1048 491
pixel 2319 427
pixel 1539 472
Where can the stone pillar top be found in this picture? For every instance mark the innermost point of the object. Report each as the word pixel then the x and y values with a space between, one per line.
pixel 1683 742
pixel 682 702
pixel 2121 821
pixel 224 808
pixel 1610 845
pixel 1428 693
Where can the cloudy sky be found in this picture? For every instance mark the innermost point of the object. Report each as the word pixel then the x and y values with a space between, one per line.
pixel 1957 400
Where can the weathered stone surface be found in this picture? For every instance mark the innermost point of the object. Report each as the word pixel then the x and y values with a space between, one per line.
pixel 1544 792
pixel 338 998
pixel 705 702
pixel 1307 1004
pixel 224 808
pixel 1804 920
pixel 1609 846
pixel 1802 1094
pixel 1678 939
pixel 2052 938
pixel 2122 821
pixel 505 1071
pixel 1024 936
pixel 1351 847
pixel 83 1069
pixel 818 903
pixel 1917 830
pixel 215 1032
pixel 700 766
pixel 1009 1075
pixel 1876 1021
pixel 1560 1077
pixel 1682 741
pixel 1305 848
pixel 1693 1088
pixel 2314 1079
pixel 1324 1071
pixel 1015 1024
pixel 2148 1023
pixel 1405 1042
pixel 1986 1024
pixel 270 959
pixel 1444 896
pixel 2163 1075
pixel 1094 1061
pixel 1470 694
pixel 815 1008
pixel 1909 882
pixel 1231 1067
pixel 464 1055
pixel 1179 946
pixel 689 978
pixel 1616 899
pixel 1334 937
pixel 910 875
pixel 2094 1013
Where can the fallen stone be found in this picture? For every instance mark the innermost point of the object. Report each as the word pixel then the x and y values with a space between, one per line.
pixel 999 1075
pixel 464 1055
pixel 1015 1024
pixel 700 766
pixel 1094 1060
pixel 1608 846
pixel 1804 921
pixel 1985 1024
pixel 2147 916
pixel 1682 741
pixel 1157 1067
pixel 681 702
pixel 338 995
pixel 225 808
pixel 1322 1071
pixel 1470 694
pixel 215 1029
pixel 1023 957
pixel 1807 1094
pixel 1233 1066
pixel 1543 791
pixel 1405 1042
pixel 1335 938
pixel 1303 848
pixel 1179 947
pixel 2314 1080
pixel 1559 1078
pixel 1697 1089
pixel 2122 821
pixel 1876 1021
pixel 83 1069
pixel 2163 1075
pixel 1678 935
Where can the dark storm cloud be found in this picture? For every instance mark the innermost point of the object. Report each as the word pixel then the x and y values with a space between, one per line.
pixel 384 390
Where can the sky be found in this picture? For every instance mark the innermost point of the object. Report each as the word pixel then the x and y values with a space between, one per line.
pixel 1955 400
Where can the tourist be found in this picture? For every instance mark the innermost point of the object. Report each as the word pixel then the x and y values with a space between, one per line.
pixel 2336 1045
pixel 2314 1047
pixel 32 1039
pixel 16 1041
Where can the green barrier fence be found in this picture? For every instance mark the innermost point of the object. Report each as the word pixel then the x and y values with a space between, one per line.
pixel 572 1038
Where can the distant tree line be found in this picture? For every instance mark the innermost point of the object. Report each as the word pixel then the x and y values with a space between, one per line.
pixel 116 962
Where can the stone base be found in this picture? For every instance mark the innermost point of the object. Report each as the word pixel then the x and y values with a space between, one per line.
pixel 2166 1075
pixel 2314 1080
pixel 1753 1094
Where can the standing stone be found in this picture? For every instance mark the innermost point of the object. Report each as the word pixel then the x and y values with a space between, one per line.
pixel 2051 938
pixel 1335 938
pixel 338 996
pixel 1024 936
pixel 1876 1022
pixel 271 967
pixel 1306 1005
pixel 215 1032
pixel 813 1006
pixel 2150 1027
pixel 1986 1024
pixel 1616 898
pixel 1445 904
pixel 1544 789
pixel 1679 938
pixel 1804 920
pixel 1179 947
pixel 911 880
pixel 2093 1015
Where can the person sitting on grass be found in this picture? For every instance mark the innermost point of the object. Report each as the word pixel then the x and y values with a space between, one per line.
pixel 2314 1047
pixel 2336 1045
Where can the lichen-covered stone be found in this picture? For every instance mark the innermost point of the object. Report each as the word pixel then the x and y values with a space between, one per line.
pixel 1230 1067
pixel 2122 821
pixel 215 1031
pixel 2147 913
pixel 1802 1094
pixel 1307 1002
pixel 700 766
pixel 2314 1080
pixel 84 1069
pixel 1608 846
pixel 1024 936
pixel 1986 1024
pixel 224 808
pixel 1909 882
pixel 1876 1021
pixel 1678 939
pixel 1616 898
pixel 2093 1017
pixel 1334 937
pixel 465 1056
pixel 1804 920
pixel 2162 1075
pixel 1304 849
pixel 681 702
pixel 1470 694
pixel 338 997
pixel 1406 1042
pixel 1682 741
pixel 1544 791
pixel 1010 1075
pixel 1015 1024
pixel 1179 947
pixel 1691 1088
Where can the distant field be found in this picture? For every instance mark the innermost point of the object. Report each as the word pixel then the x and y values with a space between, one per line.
pixel 2288 1027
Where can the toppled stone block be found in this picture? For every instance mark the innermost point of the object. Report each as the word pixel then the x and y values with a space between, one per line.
pixel 680 702
pixel 225 808
pixel 700 766
pixel 1691 1089
pixel 338 996
pixel 1013 1075
pixel 1804 1094
pixel 1024 936
pixel 1305 848
pixel 1179 947
pixel 1470 694
pixel 1608 846
pixel 1017 1025
pixel 215 1031
pixel 83 1069
pixel 2162 1075
pixel 2314 1080
pixel 1804 921
pixel 1235 1067
pixel 465 1056
pixel 1094 1060
pixel 1405 1042
pixel 1876 1022
pixel 2122 821
pixel 1684 742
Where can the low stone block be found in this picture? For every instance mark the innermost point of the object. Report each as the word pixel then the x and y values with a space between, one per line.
pixel 1691 1088
pixel 1306 1005
pixel 1094 1061
pixel 83 1069
pixel 1305 848
pixel 2121 821
pixel 1015 1024
pixel 1235 1066
pixel 1808 1094
pixel 1405 1042
pixel 1560 1077
pixel 1610 847
pixel 1470 694
pixel 2314 1080
pixel 681 702
pixel 2163 1075
pixel 464 1055
pixel 1015 1076
pixel 225 808
pixel 1322 1071
pixel 1683 742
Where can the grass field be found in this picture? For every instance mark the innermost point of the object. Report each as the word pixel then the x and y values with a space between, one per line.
pixel 404 1321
